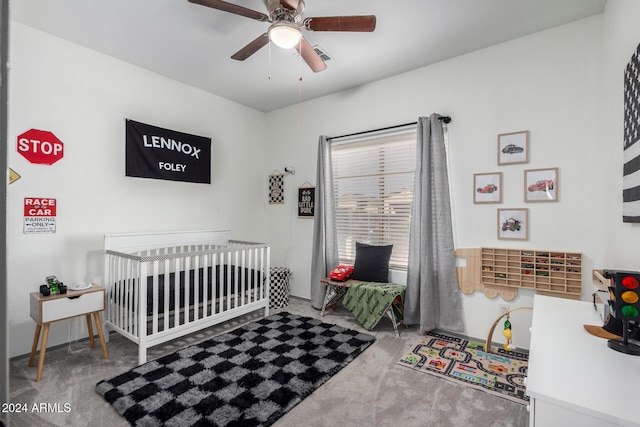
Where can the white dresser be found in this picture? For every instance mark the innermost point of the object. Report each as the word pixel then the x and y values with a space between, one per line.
pixel 574 378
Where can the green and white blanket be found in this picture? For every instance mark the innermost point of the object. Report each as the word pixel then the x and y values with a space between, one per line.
pixel 369 301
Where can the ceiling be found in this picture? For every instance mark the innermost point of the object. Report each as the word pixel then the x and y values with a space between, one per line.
pixel 191 43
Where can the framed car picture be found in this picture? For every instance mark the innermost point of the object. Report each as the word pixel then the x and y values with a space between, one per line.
pixel 541 185
pixel 487 187
pixel 513 147
pixel 513 224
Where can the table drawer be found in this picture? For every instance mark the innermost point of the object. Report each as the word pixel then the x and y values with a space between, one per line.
pixel 62 308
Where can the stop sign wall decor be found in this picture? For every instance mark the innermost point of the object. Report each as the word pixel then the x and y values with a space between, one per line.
pixel 40 147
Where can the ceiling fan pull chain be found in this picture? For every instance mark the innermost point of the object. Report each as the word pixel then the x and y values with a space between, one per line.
pixel 269 71
pixel 300 84
pixel 300 102
pixel 300 61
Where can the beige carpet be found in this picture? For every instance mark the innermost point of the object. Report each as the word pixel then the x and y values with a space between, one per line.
pixel 373 390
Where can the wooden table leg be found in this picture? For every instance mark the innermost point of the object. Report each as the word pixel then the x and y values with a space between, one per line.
pixel 333 294
pixel 326 299
pixel 394 321
pixel 92 343
pixel 96 316
pixel 34 347
pixel 43 350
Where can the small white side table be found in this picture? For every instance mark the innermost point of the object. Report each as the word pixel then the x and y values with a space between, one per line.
pixel 52 308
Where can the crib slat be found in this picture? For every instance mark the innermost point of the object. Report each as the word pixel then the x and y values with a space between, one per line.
pixel 219 282
pixel 205 280
pixel 113 315
pixel 135 291
pixel 120 294
pixel 227 291
pixel 174 268
pixel 187 289
pixel 114 290
pixel 142 312
pixel 154 319
pixel 166 288
pixel 126 304
pixel 123 316
pixel 248 285
pixel 244 272
pixel 256 274
pixel 196 288
pixel 267 278
pixel 233 281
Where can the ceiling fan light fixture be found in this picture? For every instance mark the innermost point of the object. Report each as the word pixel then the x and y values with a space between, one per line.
pixel 285 35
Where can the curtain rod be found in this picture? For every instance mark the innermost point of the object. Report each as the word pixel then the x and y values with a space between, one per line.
pixel 445 119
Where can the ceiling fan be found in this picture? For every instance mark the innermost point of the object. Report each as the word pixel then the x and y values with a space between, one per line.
pixel 287 22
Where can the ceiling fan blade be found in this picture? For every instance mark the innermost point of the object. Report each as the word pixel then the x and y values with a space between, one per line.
pixel 232 8
pixel 251 48
pixel 310 56
pixel 290 4
pixel 364 23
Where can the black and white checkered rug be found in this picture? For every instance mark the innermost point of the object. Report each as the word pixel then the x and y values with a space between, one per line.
pixel 247 377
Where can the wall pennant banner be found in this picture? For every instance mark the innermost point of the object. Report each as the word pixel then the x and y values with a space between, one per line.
pixel 153 152
pixel 13 176
pixel 631 169
pixel 276 188
pixel 306 202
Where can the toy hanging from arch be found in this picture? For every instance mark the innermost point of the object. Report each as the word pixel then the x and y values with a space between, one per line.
pixel 507 334
pixel 493 327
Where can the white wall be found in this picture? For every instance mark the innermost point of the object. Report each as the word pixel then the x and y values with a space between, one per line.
pixel 547 83
pixel 83 98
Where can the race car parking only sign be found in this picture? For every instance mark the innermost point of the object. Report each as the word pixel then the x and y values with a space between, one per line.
pixel 39 215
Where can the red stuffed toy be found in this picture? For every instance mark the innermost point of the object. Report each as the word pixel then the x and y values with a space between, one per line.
pixel 341 273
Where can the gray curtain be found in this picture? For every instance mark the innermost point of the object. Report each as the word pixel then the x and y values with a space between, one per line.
pixel 433 298
pixel 325 247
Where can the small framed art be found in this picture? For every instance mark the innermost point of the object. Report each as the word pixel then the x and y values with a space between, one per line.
pixel 513 147
pixel 513 224
pixel 541 185
pixel 487 187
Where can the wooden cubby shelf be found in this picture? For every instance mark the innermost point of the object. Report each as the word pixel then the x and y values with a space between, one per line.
pixel 549 272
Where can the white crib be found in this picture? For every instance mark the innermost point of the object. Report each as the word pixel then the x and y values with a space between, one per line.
pixel 161 286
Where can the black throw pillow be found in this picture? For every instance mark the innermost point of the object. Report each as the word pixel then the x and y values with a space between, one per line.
pixel 372 263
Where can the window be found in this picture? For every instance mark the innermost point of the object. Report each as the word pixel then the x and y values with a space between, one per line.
pixel 373 183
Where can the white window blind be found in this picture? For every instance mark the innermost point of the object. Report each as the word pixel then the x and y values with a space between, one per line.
pixel 373 182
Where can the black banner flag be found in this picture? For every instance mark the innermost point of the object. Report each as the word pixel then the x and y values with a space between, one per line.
pixel 153 152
